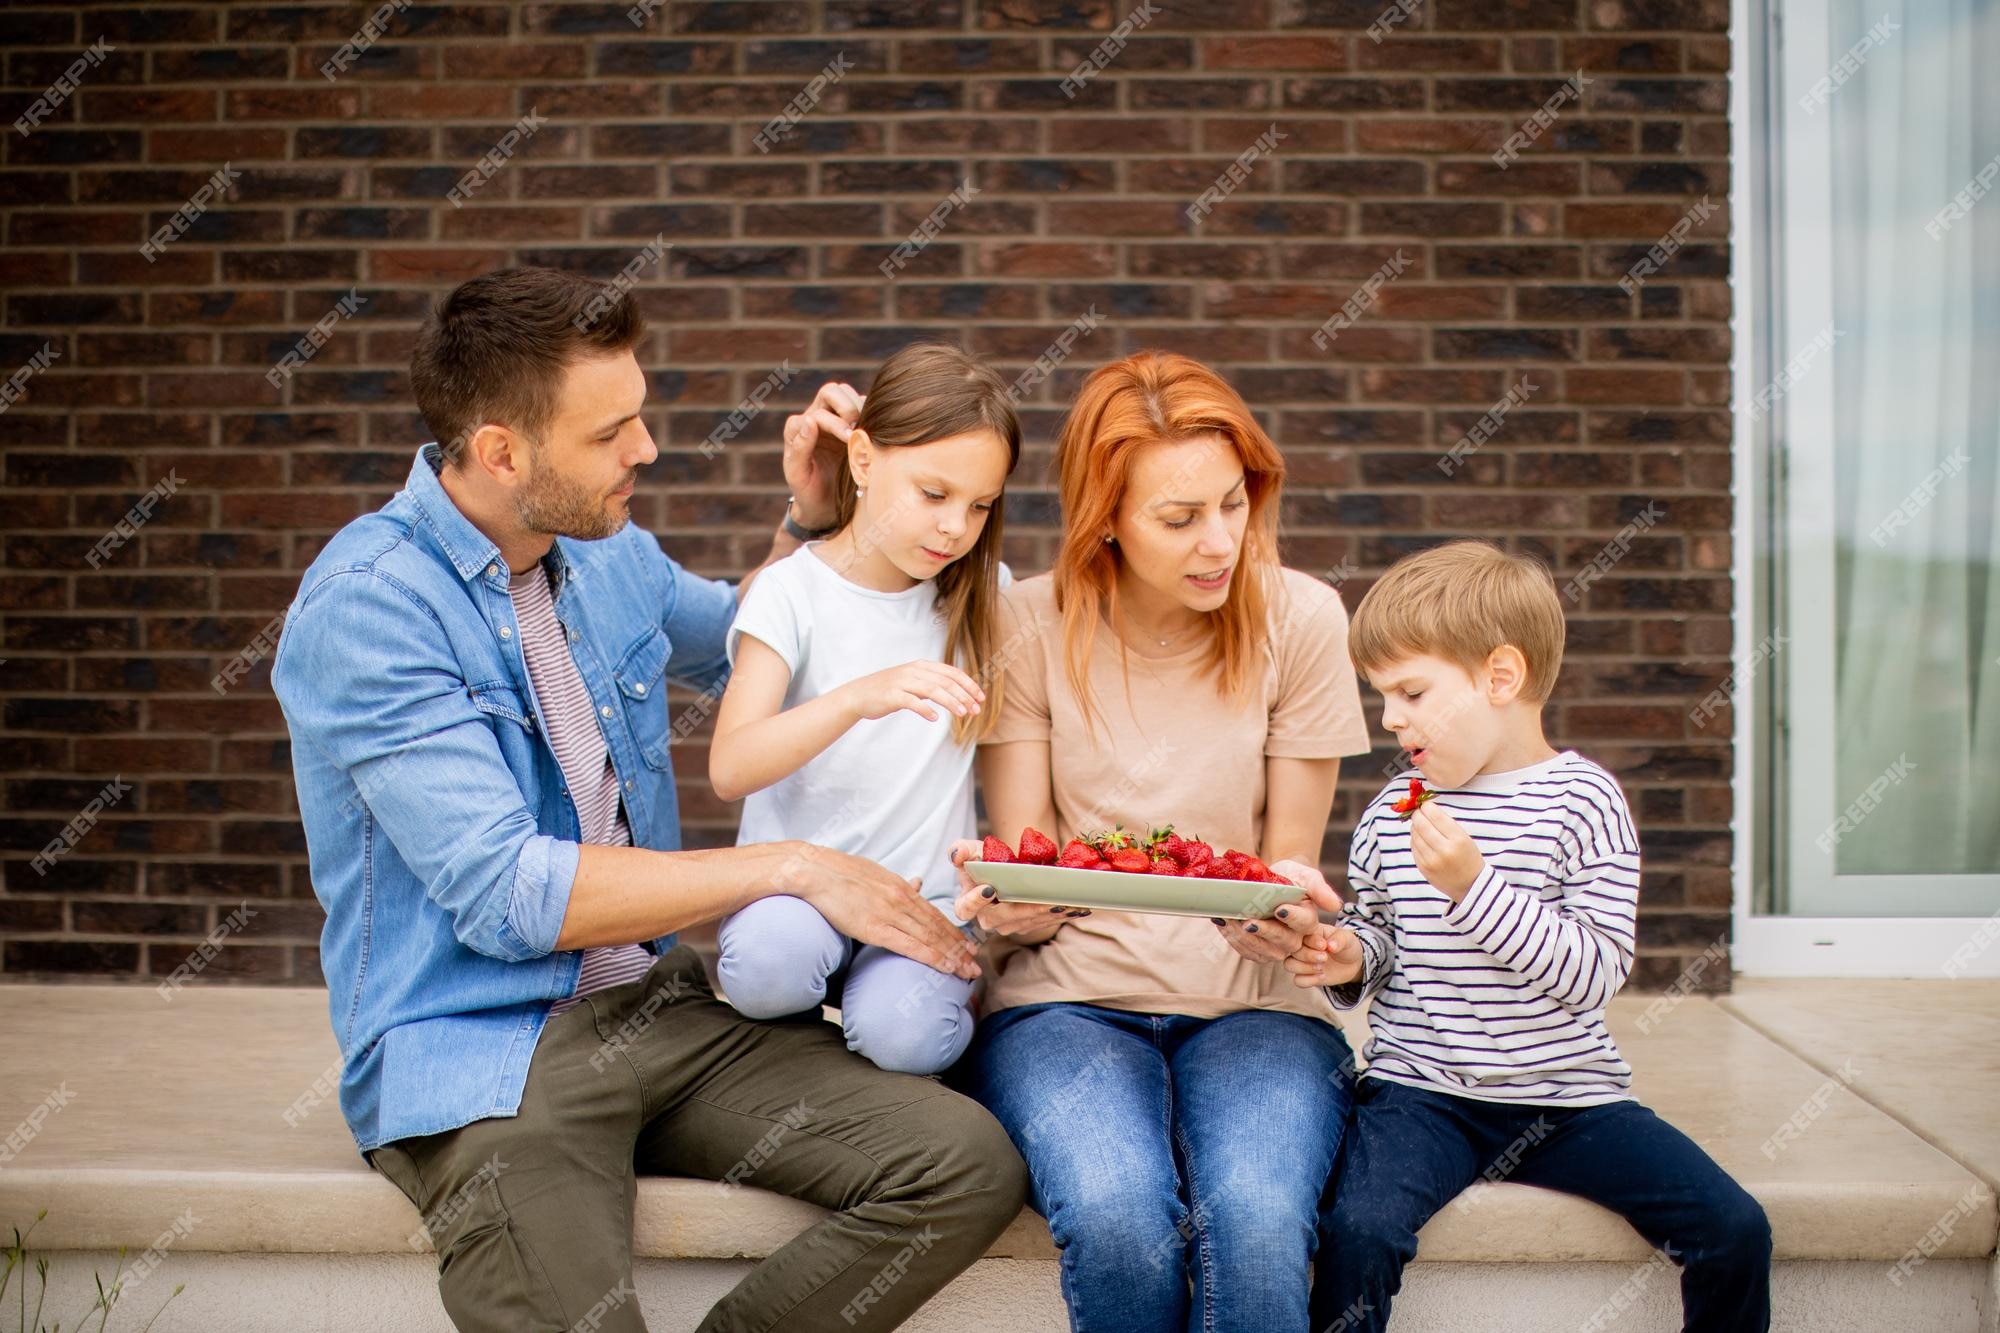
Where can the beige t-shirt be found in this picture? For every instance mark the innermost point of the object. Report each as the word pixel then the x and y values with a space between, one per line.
pixel 1179 753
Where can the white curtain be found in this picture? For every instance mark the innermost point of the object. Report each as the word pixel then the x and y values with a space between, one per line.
pixel 1917 400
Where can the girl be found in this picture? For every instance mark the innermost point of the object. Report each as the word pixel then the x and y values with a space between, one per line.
pixel 855 704
pixel 1178 1098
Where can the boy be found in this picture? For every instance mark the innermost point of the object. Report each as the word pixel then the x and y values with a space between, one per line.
pixel 1493 923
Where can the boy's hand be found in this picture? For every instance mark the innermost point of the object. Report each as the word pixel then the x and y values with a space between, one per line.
pixel 1330 956
pixel 1445 853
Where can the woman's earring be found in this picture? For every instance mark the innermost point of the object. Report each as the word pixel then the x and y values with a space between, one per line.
pixel 857 492
pixel 1107 539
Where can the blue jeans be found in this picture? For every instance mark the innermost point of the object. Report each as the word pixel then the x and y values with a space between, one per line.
pixel 1163 1148
pixel 1411 1150
pixel 779 957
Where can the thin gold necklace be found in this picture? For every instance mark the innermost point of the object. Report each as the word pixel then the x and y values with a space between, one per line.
pixel 1181 634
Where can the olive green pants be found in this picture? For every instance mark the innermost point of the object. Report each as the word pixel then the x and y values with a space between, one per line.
pixel 531 1214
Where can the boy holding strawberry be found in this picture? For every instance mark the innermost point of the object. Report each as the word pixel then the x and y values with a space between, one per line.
pixel 1493 922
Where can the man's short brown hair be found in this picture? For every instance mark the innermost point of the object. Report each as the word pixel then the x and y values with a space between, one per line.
pixel 1460 601
pixel 496 349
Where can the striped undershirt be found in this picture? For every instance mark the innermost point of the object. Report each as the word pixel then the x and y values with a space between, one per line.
pixel 578 740
pixel 1501 996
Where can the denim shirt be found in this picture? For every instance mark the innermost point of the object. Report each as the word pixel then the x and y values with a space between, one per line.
pixel 442 834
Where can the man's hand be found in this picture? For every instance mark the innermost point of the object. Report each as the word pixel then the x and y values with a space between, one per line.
pixel 1030 922
pixel 1445 853
pixel 815 443
pixel 1330 956
pixel 865 902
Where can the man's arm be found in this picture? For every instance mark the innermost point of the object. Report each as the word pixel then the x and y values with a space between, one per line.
pixel 782 545
pixel 815 443
pixel 424 758
pixel 402 723
pixel 625 895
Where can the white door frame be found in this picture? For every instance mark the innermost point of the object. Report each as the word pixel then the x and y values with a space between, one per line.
pixel 1765 943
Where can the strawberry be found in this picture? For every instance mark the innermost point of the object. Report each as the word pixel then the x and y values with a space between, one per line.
pixel 1165 865
pixel 992 849
pixel 1130 860
pixel 1407 807
pixel 1251 868
pixel 1037 848
pixel 1079 856
pixel 1194 857
pixel 1116 840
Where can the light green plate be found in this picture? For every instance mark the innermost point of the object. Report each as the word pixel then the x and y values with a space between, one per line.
pixel 1117 891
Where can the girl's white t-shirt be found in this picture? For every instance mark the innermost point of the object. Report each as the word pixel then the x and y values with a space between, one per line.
pixel 897 789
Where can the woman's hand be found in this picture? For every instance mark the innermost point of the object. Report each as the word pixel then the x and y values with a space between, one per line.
pixel 915 686
pixel 815 444
pixel 1280 935
pixel 1030 923
pixel 1330 956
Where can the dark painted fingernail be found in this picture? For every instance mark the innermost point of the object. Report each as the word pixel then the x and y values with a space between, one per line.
pixel 1079 912
pixel 1252 928
pixel 986 891
pixel 1216 919
pixel 1055 910
pixel 1280 914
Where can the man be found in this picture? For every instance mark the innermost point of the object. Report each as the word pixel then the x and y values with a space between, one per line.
pixel 474 678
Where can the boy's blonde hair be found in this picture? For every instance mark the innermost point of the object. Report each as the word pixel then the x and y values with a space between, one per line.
pixel 1460 601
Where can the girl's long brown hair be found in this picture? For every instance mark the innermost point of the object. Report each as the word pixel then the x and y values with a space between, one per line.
pixel 927 392
pixel 1151 398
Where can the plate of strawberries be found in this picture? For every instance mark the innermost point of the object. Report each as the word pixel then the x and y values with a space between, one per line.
pixel 1122 871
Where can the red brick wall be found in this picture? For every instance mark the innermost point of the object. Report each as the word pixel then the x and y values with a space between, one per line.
pixel 160 367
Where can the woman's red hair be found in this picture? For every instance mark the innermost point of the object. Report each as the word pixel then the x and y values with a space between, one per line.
pixel 1154 398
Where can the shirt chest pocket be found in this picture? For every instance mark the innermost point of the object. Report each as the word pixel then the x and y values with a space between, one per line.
pixel 502 703
pixel 641 676
pixel 506 712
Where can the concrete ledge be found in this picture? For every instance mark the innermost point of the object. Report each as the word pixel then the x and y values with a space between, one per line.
pixel 379 1293
pixel 179 1106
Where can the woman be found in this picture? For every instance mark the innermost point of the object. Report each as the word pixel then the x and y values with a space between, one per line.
pixel 1179 1100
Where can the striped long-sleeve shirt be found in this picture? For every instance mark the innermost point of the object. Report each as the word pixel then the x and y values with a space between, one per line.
pixel 1501 995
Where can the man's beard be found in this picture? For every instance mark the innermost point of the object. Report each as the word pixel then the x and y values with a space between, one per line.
pixel 553 504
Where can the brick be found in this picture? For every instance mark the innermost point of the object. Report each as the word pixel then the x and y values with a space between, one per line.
pixel 1443 54
pixel 972 55
pixel 1273 53
pixel 35 957
pixel 1082 203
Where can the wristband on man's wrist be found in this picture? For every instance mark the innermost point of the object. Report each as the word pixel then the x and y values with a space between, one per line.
pixel 797 530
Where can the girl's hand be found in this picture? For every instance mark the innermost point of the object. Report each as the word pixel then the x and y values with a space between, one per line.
pixel 815 443
pixel 981 904
pixel 915 686
pixel 1330 956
